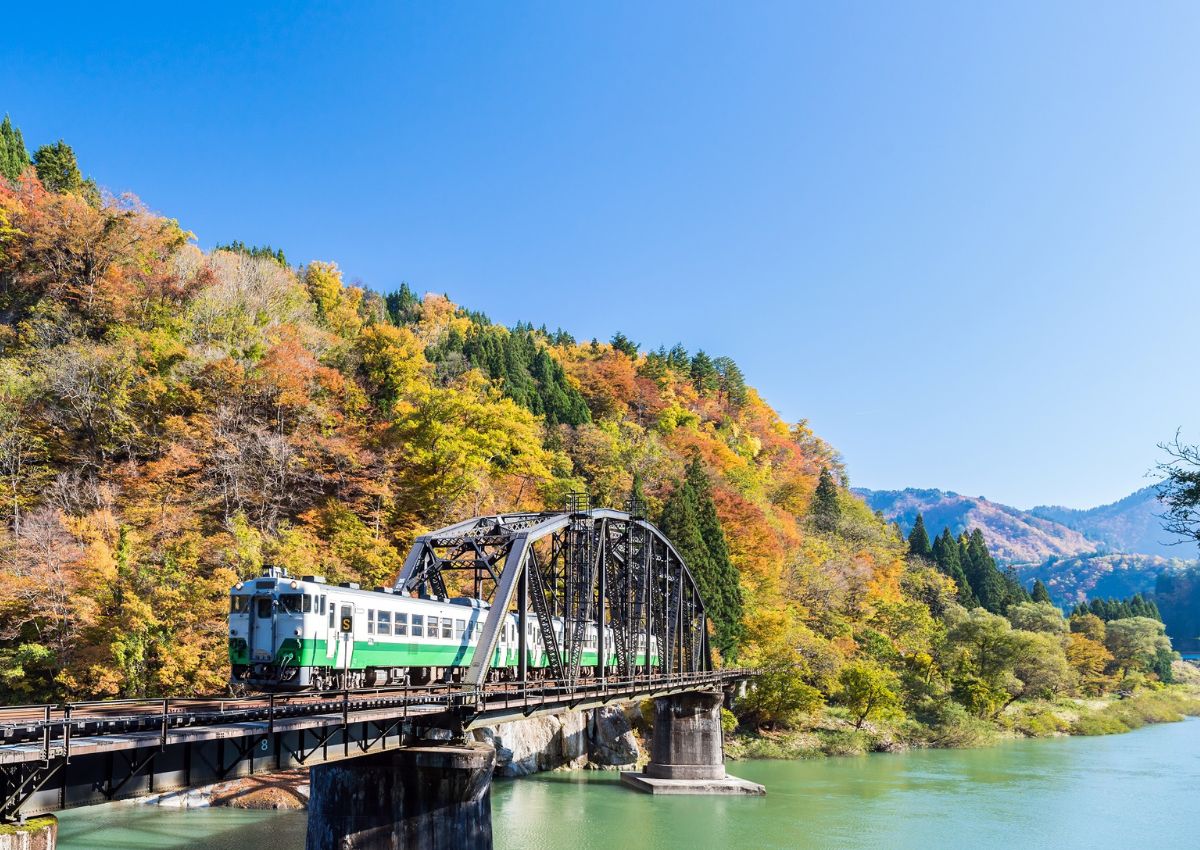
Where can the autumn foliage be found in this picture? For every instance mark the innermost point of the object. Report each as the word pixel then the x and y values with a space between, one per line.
pixel 171 421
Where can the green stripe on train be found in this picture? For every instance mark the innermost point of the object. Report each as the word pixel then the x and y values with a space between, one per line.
pixel 314 652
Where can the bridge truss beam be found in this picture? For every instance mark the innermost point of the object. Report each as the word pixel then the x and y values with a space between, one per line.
pixel 584 567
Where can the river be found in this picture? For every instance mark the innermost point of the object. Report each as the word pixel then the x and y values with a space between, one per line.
pixel 1122 791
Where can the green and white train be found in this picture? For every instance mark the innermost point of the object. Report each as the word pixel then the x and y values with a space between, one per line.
pixel 301 633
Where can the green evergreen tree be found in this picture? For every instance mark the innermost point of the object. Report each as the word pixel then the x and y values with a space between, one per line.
pixel 625 345
pixel 637 496
pixel 703 373
pixel 918 539
pixel 403 306
pixel 1040 593
pixel 731 383
pixel 515 359
pixel 946 555
pixel 14 158
pixel 1014 591
pixel 826 509
pixel 986 580
pixel 690 522
pixel 723 581
pixel 678 359
pixel 57 168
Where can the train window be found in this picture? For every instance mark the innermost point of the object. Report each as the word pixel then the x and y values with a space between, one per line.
pixel 460 628
pixel 331 616
pixel 447 629
pixel 322 603
pixel 371 621
pixel 385 622
pixel 308 603
pixel 401 624
pixel 290 602
pixel 239 604
pixel 418 625
pixel 432 631
pixel 265 604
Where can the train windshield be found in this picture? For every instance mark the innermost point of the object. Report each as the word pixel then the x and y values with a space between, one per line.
pixel 239 604
pixel 291 602
pixel 263 606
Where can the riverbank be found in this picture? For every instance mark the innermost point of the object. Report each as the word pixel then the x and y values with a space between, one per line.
pixel 831 733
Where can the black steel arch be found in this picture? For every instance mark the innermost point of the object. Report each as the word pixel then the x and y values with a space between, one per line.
pixel 601 566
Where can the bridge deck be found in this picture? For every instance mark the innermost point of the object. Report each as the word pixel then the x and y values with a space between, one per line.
pixel 57 757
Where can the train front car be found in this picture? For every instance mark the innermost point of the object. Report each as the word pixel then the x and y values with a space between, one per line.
pixel 273 621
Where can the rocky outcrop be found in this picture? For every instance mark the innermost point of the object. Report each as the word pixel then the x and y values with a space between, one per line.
pixel 612 744
pixel 602 738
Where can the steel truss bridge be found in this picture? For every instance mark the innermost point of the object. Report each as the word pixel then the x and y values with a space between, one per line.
pixel 602 567
pixel 583 566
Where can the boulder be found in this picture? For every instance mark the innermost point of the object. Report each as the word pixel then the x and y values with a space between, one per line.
pixel 524 746
pixel 573 738
pixel 611 743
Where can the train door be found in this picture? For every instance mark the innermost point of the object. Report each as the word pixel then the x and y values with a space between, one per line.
pixel 262 629
pixel 345 636
pixel 332 636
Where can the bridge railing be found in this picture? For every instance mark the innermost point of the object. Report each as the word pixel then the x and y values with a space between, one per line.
pixel 53 726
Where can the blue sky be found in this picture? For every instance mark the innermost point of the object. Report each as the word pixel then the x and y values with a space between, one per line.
pixel 961 239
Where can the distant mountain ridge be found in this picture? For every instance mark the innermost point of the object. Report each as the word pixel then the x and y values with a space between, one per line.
pixel 1127 525
pixel 1112 550
pixel 1013 535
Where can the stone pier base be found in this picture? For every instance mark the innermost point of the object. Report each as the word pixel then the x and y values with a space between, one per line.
pixel 725 785
pixel 687 752
pixel 414 798
pixel 40 833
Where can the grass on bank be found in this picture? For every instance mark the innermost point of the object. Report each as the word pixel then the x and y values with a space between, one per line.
pixel 832 734
pixel 30 825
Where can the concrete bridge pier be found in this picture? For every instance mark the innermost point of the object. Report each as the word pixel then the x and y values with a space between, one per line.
pixel 687 750
pixel 435 797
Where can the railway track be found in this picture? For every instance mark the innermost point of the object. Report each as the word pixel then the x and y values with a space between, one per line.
pixel 30 723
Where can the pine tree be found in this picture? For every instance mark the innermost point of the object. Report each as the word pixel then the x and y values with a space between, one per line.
pixel 678 359
pixel 637 496
pixel 1040 592
pixel 703 373
pixel 986 581
pixel 1014 591
pixel 14 158
pixel 731 383
pixel 946 555
pixel 403 306
pixel 826 510
pixel 625 345
pixel 689 521
pixel 724 586
pixel 57 168
pixel 918 539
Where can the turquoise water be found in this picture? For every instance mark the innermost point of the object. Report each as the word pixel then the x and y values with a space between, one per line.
pixel 1123 791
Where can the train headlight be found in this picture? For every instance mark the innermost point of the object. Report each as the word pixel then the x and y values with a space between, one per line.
pixel 297 633
pixel 233 632
pixel 239 586
pixel 295 584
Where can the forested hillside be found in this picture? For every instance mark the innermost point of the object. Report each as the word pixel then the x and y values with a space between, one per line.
pixel 171 420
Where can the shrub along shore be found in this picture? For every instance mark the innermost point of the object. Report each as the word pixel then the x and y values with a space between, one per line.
pixel 833 732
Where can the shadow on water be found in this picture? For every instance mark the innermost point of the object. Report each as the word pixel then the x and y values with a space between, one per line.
pixel 134 827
